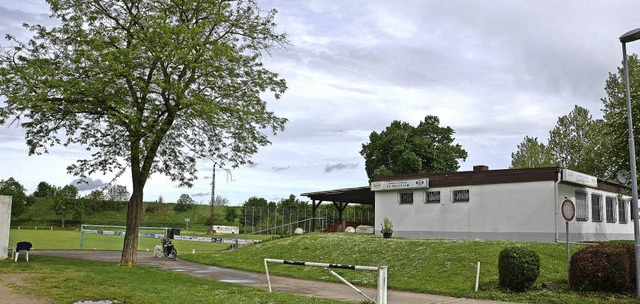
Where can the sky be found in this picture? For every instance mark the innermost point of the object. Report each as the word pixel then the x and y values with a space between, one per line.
pixel 494 71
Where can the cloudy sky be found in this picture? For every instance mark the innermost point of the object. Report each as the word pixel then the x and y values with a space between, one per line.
pixel 494 71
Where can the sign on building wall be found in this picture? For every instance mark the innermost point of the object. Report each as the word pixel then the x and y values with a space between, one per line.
pixel 400 184
pixel 579 178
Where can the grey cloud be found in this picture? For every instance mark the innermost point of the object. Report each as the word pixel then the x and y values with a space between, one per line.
pixel 88 184
pixel 200 194
pixel 340 167
pixel 280 168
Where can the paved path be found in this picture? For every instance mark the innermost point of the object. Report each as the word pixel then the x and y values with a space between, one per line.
pixel 305 287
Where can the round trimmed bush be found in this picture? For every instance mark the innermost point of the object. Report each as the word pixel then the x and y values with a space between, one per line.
pixel 518 268
pixel 604 267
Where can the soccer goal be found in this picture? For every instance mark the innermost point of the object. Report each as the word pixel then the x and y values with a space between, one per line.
pixel 110 237
pixel 382 275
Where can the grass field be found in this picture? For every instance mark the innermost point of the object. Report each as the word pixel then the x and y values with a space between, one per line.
pixel 446 267
pixel 69 281
pixel 70 240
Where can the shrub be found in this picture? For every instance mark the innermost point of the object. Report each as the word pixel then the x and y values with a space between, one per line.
pixel 603 267
pixel 518 268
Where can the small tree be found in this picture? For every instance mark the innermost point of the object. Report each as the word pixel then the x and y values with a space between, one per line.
pixel 185 202
pixel 117 193
pixel 66 204
pixel 96 194
pixel 44 189
pixel 19 199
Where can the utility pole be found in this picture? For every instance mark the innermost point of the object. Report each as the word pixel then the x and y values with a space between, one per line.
pixel 212 203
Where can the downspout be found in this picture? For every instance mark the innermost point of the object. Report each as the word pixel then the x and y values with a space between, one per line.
pixel 557 204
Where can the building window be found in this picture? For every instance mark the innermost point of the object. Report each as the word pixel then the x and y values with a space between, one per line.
pixel 432 197
pixel 461 195
pixel 596 207
pixel 611 209
pixel 582 212
pixel 406 197
pixel 622 211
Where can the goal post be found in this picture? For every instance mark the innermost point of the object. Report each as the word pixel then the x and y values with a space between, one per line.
pixel 382 275
pixel 112 230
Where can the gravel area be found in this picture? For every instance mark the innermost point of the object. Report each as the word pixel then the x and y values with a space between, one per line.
pixel 11 293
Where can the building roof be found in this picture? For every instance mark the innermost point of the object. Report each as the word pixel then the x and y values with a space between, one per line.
pixel 357 195
pixel 481 175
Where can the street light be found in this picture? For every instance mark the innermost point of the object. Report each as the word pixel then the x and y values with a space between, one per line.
pixel 631 36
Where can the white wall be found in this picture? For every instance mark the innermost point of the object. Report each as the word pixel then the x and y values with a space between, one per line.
pixel 5 224
pixel 514 211
pixel 590 230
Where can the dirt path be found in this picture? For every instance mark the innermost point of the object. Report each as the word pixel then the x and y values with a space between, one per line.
pixel 9 282
pixel 305 287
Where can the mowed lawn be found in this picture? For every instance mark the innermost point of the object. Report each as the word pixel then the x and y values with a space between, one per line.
pixel 70 280
pixel 446 267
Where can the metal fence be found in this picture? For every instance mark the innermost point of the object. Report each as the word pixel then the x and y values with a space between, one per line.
pixel 278 220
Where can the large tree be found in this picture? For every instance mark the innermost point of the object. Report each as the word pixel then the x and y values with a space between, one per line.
pixel 402 148
pixel 615 114
pixel 578 142
pixel 532 154
pixel 145 85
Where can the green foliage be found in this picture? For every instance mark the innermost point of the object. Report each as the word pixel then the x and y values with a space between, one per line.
pixel 387 226
pixel 532 154
pixel 184 203
pixel 604 267
pixel 149 86
pixel 116 193
pixel 44 189
pixel 66 204
pixel 156 208
pixel 231 214
pixel 615 113
pixel 518 267
pixel 96 195
pixel 402 148
pixel 255 201
pixel 573 134
pixel 578 132
pixel 19 199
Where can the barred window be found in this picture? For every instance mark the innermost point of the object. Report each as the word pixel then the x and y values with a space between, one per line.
pixel 611 209
pixel 582 212
pixel 432 197
pixel 405 197
pixel 461 195
pixel 622 211
pixel 596 207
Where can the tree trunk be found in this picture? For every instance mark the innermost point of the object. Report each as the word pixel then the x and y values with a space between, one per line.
pixel 134 214
pixel 63 222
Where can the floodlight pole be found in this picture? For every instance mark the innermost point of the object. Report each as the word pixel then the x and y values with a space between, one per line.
pixel 630 36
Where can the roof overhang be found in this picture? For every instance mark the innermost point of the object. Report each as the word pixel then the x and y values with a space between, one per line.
pixel 357 195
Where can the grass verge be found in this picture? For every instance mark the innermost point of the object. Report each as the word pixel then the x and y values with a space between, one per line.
pixel 446 267
pixel 68 281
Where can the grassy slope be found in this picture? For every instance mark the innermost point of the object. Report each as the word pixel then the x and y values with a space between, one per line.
pixel 68 281
pixel 40 214
pixel 428 266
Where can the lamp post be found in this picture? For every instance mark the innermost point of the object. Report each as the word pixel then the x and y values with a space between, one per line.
pixel 631 36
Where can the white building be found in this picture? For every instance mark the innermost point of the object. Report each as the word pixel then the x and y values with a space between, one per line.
pixel 511 204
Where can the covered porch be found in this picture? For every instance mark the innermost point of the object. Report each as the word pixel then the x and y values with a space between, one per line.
pixel 340 198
